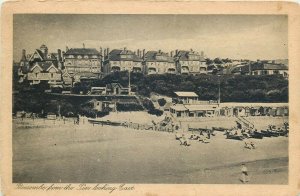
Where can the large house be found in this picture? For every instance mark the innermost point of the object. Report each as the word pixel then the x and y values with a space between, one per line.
pixel 158 62
pixel 122 60
pixel 77 60
pixel 268 68
pixel 41 66
pixel 190 62
pixel 44 71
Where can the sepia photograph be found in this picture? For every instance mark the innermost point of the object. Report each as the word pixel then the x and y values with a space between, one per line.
pixel 150 99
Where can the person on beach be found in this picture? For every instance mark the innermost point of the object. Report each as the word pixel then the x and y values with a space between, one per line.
pixel 245 177
pixel 252 145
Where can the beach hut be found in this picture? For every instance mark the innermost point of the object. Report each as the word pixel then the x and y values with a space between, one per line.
pixel 179 110
pixel 280 111
pixel 254 111
pixel 201 110
pixel 286 111
pixel 51 116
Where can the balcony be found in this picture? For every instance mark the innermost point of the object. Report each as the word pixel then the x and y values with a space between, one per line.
pixel 115 68
pixel 136 70
pixel 185 70
pixel 171 70
pixel 151 70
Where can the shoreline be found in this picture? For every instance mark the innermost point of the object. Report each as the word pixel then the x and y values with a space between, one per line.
pixel 92 154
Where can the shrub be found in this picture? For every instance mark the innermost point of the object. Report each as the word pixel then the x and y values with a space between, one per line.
pixel 162 102
pixel 129 107
pixel 156 112
pixel 103 113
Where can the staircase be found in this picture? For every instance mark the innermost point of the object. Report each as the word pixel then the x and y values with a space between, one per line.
pixel 244 122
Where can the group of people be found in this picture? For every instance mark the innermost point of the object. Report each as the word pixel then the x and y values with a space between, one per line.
pixel 183 140
pixel 249 145
pixel 203 137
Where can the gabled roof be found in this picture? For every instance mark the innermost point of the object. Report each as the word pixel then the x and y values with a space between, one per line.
pixel 39 52
pixel 82 51
pixel 178 107
pixel 268 66
pixel 66 73
pixel 115 55
pixel 112 85
pixel 52 66
pixel 151 56
pixel 44 66
pixel 183 55
pixel 186 94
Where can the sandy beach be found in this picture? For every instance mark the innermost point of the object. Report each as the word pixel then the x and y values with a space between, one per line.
pixel 57 151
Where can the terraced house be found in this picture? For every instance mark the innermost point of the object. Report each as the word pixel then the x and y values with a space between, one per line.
pixel 121 60
pixel 158 62
pixel 190 62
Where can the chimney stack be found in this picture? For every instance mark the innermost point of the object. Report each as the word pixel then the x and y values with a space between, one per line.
pixel 143 53
pixel 159 51
pixel 171 53
pixel 83 45
pixel 176 52
pixel 59 55
pixel 202 54
pixel 100 51
pixel 63 55
pixel 138 53
pixel 23 55
pixel 67 48
pixel 105 54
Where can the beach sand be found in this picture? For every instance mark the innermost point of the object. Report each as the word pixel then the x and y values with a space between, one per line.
pixel 46 151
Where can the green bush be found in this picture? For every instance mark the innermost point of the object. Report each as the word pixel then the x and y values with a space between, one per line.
pixel 162 102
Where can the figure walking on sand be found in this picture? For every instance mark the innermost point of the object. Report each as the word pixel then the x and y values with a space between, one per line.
pixel 245 177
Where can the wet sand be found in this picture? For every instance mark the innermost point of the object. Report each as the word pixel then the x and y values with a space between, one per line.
pixel 68 153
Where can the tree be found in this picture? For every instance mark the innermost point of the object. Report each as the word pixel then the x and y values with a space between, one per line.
pixel 218 61
pixel 162 102
pixel 209 61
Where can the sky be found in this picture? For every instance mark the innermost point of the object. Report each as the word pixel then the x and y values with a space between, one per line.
pixel 225 36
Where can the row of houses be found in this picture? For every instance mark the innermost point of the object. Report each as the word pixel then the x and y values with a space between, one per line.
pixel 77 64
pixel 195 110
pixel 190 106
pixel 261 68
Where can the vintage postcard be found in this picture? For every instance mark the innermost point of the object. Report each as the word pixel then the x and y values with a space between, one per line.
pixel 150 98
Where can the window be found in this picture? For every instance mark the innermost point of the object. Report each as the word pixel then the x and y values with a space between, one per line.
pixel 36 75
pixel 276 72
pixel 51 75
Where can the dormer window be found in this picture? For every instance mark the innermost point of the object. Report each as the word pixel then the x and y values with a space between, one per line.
pixel 49 56
pixel 71 56
pixel 79 57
